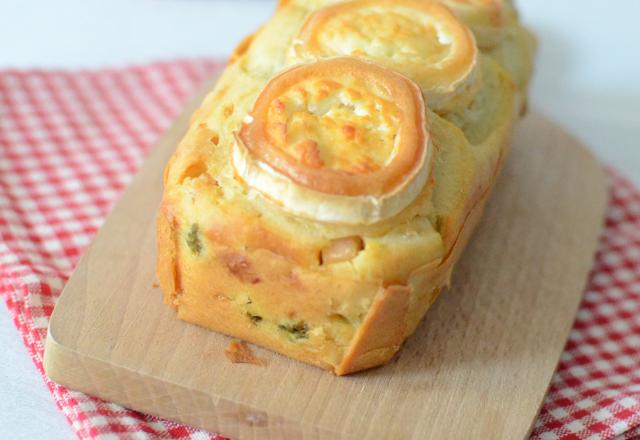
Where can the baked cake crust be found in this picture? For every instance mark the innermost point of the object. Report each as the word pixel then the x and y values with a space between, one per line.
pixel 342 295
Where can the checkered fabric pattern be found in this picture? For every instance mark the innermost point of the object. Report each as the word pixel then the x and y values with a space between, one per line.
pixel 595 392
pixel 69 144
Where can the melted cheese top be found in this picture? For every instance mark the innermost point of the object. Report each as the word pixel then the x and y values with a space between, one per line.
pixel 338 124
pixel 398 34
pixel 419 38
pixel 340 140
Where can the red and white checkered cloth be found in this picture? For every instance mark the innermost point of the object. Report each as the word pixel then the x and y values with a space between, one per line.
pixel 69 144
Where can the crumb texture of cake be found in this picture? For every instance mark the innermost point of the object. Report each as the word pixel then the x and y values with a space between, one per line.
pixel 238 352
pixel 329 183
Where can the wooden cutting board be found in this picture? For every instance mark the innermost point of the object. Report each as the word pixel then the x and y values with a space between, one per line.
pixel 477 367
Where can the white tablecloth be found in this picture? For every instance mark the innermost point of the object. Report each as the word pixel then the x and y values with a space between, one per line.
pixel 588 80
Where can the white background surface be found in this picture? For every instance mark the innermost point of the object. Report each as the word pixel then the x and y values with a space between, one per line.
pixel 588 80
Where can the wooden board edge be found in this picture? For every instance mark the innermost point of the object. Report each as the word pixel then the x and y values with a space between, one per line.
pixel 66 367
pixel 163 399
pixel 601 200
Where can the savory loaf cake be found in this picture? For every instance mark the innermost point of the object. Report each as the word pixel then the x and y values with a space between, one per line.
pixel 328 184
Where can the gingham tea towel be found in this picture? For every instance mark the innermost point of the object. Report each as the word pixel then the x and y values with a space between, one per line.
pixel 71 141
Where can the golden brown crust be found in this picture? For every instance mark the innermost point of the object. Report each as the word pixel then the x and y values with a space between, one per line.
pixel 168 276
pixel 388 322
pixel 340 296
pixel 381 334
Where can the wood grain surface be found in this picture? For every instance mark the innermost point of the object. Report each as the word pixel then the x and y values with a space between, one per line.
pixel 477 367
